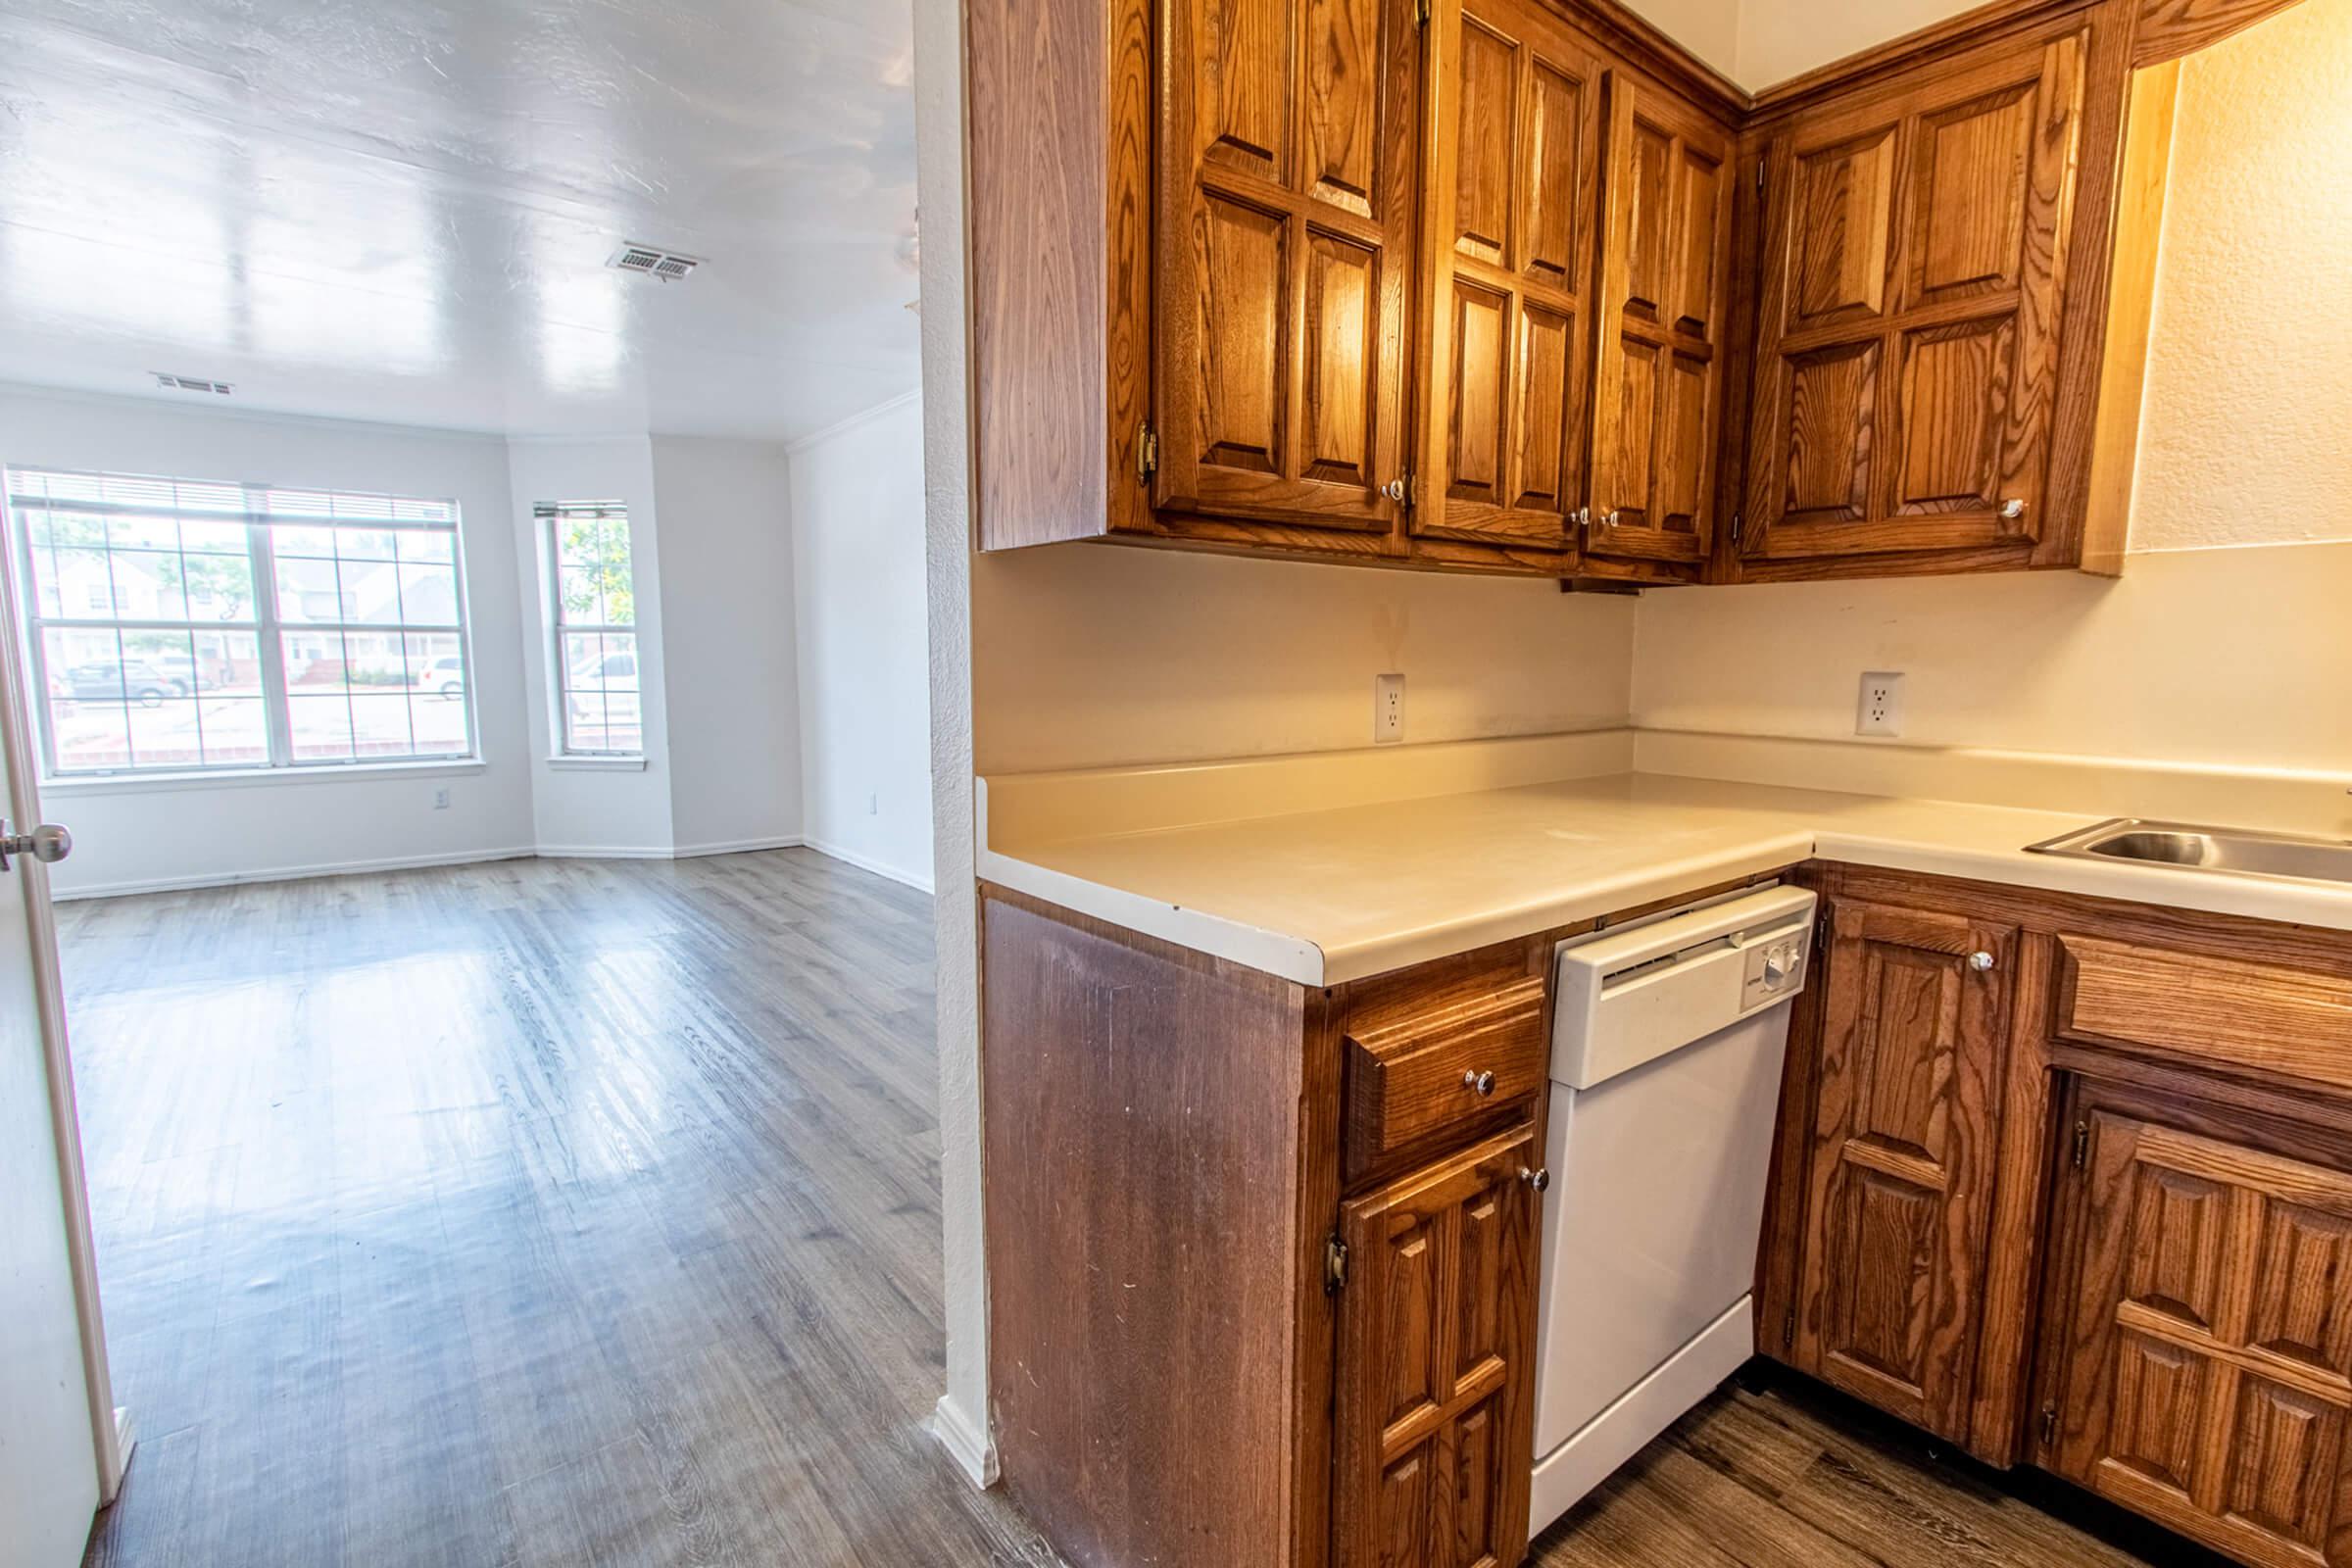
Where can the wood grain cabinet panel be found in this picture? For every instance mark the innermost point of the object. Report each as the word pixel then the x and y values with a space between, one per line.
pixel 2206 1331
pixel 1287 222
pixel 1509 264
pixel 1907 366
pixel 1900 1164
pixel 1439 1073
pixel 1434 1398
pixel 1665 308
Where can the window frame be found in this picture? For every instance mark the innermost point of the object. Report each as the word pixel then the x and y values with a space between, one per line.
pixel 551 515
pixel 266 622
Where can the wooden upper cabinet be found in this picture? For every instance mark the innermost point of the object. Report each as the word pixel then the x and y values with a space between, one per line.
pixel 1665 278
pixel 1511 210
pixel 1901 1169
pixel 2206 1329
pixel 1289 182
pixel 1916 254
pixel 1434 1401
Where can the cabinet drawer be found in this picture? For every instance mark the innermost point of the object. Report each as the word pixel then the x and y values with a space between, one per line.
pixel 2293 1023
pixel 1411 1078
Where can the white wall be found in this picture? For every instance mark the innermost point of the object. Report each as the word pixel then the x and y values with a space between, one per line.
pixel 584 807
pixel 129 834
pixel 713 557
pixel 730 670
pixel 859 613
pixel 2227 640
pixel 1104 654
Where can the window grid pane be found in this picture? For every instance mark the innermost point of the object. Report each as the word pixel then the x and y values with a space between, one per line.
pixel 146 624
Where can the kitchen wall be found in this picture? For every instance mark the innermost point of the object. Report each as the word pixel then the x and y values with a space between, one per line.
pixel 732 688
pixel 2226 639
pixel 858 559
pixel 136 833
pixel 1107 653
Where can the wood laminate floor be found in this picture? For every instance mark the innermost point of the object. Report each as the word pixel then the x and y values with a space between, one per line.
pixel 587 1212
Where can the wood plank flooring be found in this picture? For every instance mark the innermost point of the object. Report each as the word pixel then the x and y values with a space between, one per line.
pixel 535 1213
pixel 587 1212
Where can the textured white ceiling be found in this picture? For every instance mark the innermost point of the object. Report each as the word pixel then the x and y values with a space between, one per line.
pixel 401 208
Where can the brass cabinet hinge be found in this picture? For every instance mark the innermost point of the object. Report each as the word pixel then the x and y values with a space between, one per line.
pixel 1335 1265
pixel 1420 12
pixel 1146 452
pixel 2049 1422
pixel 1759 176
pixel 1739 525
pixel 1788 1331
pixel 2082 1144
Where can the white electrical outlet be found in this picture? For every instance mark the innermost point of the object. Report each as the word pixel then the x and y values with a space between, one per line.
pixel 1879 710
pixel 441 799
pixel 1388 709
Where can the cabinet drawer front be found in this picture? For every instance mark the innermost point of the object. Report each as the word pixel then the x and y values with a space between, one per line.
pixel 1414 1077
pixel 2293 1023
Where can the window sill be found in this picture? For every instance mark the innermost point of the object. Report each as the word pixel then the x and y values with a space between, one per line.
pixel 596 764
pixel 255 777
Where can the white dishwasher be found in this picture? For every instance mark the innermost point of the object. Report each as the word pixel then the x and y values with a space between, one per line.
pixel 1667 1041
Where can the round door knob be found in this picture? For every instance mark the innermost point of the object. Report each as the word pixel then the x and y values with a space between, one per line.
pixel 1537 1179
pixel 47 844
pixel 2012 510
pixel 1482 1082
pixel 1980 961
pixel 1394 489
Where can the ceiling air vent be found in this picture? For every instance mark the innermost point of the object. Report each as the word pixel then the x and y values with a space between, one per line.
pixel 190 384
pixel 648 261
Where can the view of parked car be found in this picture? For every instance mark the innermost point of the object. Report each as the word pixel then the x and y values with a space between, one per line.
pixel 106 680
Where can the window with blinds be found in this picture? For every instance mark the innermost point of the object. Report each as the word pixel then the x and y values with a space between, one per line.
pixel 190 625
pixel 594 626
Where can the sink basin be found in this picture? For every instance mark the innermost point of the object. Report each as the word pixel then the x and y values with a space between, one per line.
pixel 2240 852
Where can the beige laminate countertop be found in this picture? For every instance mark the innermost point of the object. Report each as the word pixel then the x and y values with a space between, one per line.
pixel 1325 896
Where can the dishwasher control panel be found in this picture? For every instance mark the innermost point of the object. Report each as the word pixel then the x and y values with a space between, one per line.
pixel 1775 968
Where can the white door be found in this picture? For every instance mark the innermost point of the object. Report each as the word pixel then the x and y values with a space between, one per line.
pixel 60 1453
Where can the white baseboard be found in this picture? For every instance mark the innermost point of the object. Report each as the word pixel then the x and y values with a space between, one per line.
pixel 290 874
pixel 866 863
pixel 965 1441
pixel 695 852
pixel 544 851
pixel 605 852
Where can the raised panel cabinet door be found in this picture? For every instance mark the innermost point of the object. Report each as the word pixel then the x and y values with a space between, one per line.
pixel 1915 262
pixel 2208 1336
pixel 1509 258
pixel 1665 280
pixel 1289 182
pixel 1434 1394
pixel 1903 1144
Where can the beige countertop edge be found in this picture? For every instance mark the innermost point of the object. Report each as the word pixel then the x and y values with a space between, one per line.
pixel 1299 958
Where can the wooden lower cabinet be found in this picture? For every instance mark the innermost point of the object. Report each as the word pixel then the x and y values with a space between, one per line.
pixel 1435 1363
pixel 2202 1314
pixel 1900 1165
pixel 2069 1183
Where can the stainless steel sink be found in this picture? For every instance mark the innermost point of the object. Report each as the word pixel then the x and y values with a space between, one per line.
pixel 2238 851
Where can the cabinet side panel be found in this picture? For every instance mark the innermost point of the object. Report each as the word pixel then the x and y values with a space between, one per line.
pixel 1153 1326
pixel 1040 103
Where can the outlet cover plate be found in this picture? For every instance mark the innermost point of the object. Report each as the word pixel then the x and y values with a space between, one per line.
pixel 1388 709
pixel 1879 709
